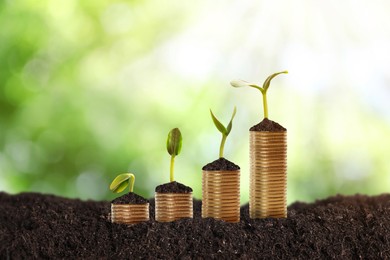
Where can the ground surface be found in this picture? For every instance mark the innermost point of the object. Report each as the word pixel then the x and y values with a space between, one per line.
pixel 41 226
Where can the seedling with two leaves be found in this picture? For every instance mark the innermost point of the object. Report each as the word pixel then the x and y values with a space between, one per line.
pixel 263 90
pixel 225 131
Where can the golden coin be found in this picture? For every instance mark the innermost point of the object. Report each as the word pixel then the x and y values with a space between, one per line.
pixel 220 195
pixel 268 174
pixel 129 213
pixel 173 206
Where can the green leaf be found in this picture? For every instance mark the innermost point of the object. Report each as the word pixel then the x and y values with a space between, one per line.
pixel 267 82
pixel 121 187
pixel 242 83
pixel 120 183
pixel 229 127
pixel 218 124
pixel 174 142
pixel 239 83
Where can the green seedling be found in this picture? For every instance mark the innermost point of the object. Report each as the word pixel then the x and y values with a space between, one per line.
pixel 225 131
pixel 174 143
pixel 263 90
pixel 121 181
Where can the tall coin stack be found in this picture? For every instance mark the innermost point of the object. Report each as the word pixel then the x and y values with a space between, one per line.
pixel 268 174
pixel 173 206
pixel 221 195
pixel 129 213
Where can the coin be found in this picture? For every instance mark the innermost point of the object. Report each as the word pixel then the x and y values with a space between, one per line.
pixel 268 174
pixel 221 195
pixel 129 213
pixel 173 206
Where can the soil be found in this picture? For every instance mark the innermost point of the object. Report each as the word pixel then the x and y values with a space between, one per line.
pixel 268 126
pixel 45 226
pixel 221 164
pixel 130 198
pixel 173 187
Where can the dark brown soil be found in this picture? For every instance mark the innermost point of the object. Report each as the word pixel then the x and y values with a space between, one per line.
pixel 173 187
pixel 268 126
pixel 34 226
pixel 221 165
pixel 130 198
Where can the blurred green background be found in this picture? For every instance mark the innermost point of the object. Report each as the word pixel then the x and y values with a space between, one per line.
pixel 90 89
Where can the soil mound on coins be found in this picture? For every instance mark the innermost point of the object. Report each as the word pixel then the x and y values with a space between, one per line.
pixel 130 198
pixel 221 165
pixel 49 227
pixel 173 187
pixel 268 126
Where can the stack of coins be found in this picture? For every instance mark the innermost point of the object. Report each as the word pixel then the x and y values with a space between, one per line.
pixel 129 213
pixel 221 195
pixel 173 206
pixel 268 174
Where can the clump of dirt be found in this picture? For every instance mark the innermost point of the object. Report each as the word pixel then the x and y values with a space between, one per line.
pixel 268 126
pixel 221 164
pixel 45 226
pixel 173 187
pixel 130 198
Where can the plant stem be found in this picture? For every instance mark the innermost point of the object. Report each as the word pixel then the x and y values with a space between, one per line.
pixel 265 105
pixel 222 145
pixel 172 168
pixel 132 180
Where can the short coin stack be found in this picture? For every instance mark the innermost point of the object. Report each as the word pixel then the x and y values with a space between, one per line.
pixel 221 195
pixel 268 174
pixel 129 213
pixel 173 206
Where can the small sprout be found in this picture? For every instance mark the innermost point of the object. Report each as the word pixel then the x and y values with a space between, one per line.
pixel 174 143
pixel 263 90
pixel 224 130
pixel 121 181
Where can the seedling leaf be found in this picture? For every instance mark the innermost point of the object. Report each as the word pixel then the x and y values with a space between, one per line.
pixel 242 83
pixel 121 181
pixel 121 187
pixel 218 124
pixel 268 80
pixel 224 130
pixel 174 142
pixel 239 83
pixel 229 127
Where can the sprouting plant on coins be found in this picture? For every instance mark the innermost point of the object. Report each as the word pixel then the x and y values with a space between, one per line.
pixel 121 181
pixel 263 90
pixel 225 131
pixel 174 143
